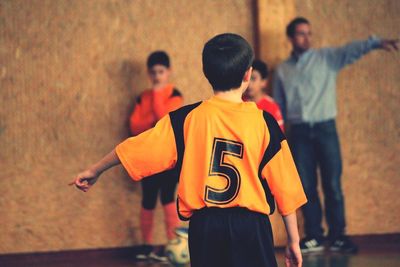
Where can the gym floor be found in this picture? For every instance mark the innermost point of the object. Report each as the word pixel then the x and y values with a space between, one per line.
pixel 386 257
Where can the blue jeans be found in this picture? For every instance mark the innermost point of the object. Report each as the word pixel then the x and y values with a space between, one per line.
pixel 317 146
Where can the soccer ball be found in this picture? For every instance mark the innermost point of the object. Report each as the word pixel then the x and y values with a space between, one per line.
pixel 177 249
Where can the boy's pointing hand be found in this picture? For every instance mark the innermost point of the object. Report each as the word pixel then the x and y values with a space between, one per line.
pixel 85 180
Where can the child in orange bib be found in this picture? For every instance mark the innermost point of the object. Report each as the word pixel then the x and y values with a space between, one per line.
pixel 151 106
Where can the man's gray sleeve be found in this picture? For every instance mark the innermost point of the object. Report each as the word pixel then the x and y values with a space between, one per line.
pixel 339 57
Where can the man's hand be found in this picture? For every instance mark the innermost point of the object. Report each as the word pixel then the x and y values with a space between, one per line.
pixel 390 45
pixel 293 256
pixel 85 180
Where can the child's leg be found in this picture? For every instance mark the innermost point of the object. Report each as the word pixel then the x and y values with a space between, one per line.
pixel 150 188
pixel 168 187
pixel 233 237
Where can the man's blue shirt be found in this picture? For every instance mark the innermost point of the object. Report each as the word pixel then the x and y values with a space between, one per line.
pixel 305 87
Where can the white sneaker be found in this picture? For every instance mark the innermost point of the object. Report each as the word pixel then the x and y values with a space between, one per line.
pixel 308 245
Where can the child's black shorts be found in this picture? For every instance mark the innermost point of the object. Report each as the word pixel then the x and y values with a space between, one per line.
pixel 233 237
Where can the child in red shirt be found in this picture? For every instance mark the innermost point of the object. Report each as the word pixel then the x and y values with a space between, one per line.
pixel 255 92
pixel 151 106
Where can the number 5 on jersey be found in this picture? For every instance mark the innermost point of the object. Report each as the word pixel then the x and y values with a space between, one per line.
pixel 219 168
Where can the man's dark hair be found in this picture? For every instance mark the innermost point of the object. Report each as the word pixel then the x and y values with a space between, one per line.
pixel 226 58
pixel 291 27
pixel 158 58
pixel 261 67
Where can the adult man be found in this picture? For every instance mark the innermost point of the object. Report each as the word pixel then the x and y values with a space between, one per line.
pixel 305 89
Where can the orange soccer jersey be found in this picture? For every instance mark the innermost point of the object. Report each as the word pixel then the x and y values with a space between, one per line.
pixel 228 155
pixel 152 105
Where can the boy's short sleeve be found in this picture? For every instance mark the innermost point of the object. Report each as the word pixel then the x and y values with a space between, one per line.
pixel 284 181
pixel 150 152
pixel 280 171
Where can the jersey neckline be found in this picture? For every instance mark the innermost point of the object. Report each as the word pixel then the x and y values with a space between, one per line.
pixel 238 106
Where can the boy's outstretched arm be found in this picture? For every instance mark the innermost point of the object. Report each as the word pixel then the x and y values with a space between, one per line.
pixel 148 153
pixel 292 254
pixel 87 178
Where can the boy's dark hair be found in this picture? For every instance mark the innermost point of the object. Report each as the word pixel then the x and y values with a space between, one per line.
pixel 261 67
pixel 158 58
pixel 226 58
pixel 291 27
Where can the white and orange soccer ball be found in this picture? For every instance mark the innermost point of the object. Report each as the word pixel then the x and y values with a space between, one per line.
pixel 177 250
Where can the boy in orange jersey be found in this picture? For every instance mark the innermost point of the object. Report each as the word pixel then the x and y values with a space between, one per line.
pixel 255 92
pixel 233 161
pixel 151 106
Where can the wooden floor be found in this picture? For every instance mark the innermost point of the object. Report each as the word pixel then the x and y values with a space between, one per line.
pixel 320 260
pixel 382 251
pixel 362 259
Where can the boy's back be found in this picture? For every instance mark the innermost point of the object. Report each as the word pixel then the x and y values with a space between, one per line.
pixel 232 159
pixel 227 156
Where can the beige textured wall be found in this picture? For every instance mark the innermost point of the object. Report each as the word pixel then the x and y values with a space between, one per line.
pixel 273 16
pixel 69 71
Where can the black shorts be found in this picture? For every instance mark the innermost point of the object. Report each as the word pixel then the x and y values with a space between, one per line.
pixel 163 183
pixel 233 237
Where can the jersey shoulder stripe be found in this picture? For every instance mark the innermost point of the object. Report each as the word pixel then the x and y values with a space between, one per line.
pixel 276 136
pixel 177 121
pixel 274 145
pixel 177 118
pixel 176 92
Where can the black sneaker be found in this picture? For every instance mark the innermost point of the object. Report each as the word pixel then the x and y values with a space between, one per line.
pixel 308 245
pixel 343 244
pixel 158 254
pixel 143 252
